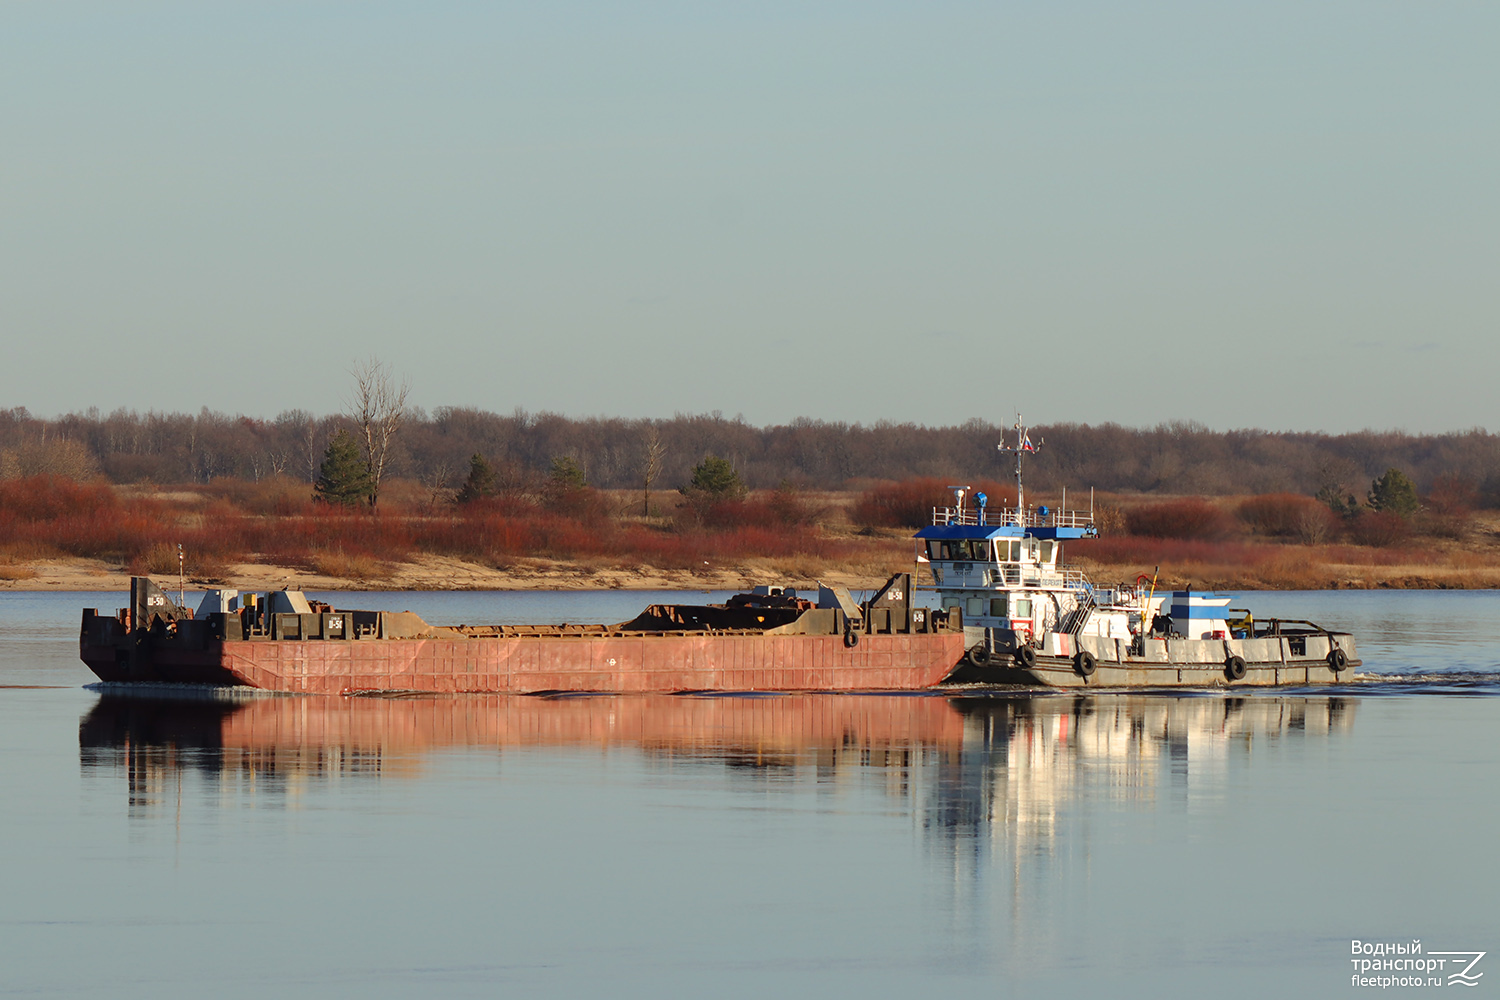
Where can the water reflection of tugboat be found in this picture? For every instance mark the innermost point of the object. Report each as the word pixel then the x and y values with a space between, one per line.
pixel 1042 753
pixel 1028 618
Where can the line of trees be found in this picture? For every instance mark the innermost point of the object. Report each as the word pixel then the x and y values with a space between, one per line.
pixel 436 448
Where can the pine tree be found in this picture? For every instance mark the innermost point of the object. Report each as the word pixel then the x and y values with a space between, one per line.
pixel 567 490
pixel 344 476
pixel 714 488
pixel 566 475
pixel 716 477
pixel 481 481
pixel 1394 492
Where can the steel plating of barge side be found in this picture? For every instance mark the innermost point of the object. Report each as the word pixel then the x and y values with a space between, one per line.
pixel 769 640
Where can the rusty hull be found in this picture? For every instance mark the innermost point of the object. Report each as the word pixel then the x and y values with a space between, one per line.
pixel 891 647
pixel 522 665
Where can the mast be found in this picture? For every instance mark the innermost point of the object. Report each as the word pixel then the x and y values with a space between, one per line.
pixel 1022 446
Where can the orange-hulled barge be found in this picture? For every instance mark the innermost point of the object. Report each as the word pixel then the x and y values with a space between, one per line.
pixel 769 640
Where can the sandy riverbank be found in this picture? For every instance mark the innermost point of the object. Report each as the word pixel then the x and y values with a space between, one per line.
pixel 426 573
pixel 445 573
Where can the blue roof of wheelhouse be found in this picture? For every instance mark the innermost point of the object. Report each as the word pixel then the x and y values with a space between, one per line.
pixel 984 532
pixel 974 531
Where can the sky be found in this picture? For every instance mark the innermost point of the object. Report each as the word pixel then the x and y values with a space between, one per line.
pixel 1269 214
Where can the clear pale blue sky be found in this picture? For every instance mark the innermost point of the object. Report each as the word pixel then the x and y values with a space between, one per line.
pixel 1270 214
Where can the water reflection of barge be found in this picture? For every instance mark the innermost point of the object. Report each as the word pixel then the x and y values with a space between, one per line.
pixel 1012 762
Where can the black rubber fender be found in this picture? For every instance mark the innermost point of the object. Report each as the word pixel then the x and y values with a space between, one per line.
pixel 851 638
pixel 1025 657
pixel 1085 663
pixel 1234 668
pixel 978 655
pixel 1337 659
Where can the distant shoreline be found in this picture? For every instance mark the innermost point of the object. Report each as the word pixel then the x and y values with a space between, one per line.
pixel 434 573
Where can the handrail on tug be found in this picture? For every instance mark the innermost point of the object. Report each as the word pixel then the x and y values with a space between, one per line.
pixel 1273 625
pixel 1011 517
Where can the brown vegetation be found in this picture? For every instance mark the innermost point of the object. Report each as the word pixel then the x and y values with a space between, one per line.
pixel 434 452
pixel 228 525
pixel 1187 518
pixel 44 517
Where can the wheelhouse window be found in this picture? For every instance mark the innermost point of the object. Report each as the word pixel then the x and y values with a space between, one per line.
pixel 960 549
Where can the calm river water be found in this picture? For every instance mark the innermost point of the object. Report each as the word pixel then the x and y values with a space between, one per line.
pixel 879 846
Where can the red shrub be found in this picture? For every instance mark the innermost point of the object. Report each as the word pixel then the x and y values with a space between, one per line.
pixel 784 507
pixel 42 517
pixel 1289 515
pixel 1453 496
pixel 1275 513
pixel 909 503
pixel 1380 529
pixel 47 498
pixel 1189 518
pixel 1146 551
pixel 44 514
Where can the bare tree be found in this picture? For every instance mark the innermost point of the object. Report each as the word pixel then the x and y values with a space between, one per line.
pixel 436 482
pixel 378 407
pixel 311 452
pixel 651 460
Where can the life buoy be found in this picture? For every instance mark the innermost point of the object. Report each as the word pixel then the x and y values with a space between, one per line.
pixel 851 638
pixel 1337 659
pixel 1234 668
pixel 1085 663
pixel 1025 656
pixel 978 655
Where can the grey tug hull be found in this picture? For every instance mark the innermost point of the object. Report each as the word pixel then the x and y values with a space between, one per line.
pixel 1300 658
pixel 1052 671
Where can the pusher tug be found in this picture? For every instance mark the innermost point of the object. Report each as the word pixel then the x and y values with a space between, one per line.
pixel 1028 618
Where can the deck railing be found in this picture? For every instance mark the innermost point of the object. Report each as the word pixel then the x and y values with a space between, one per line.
pixel 1012 517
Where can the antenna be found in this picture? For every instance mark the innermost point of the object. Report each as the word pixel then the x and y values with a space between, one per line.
pixel 181 580
pixel 1022 446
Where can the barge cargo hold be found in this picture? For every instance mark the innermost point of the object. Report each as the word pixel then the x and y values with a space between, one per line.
pixel 770 640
